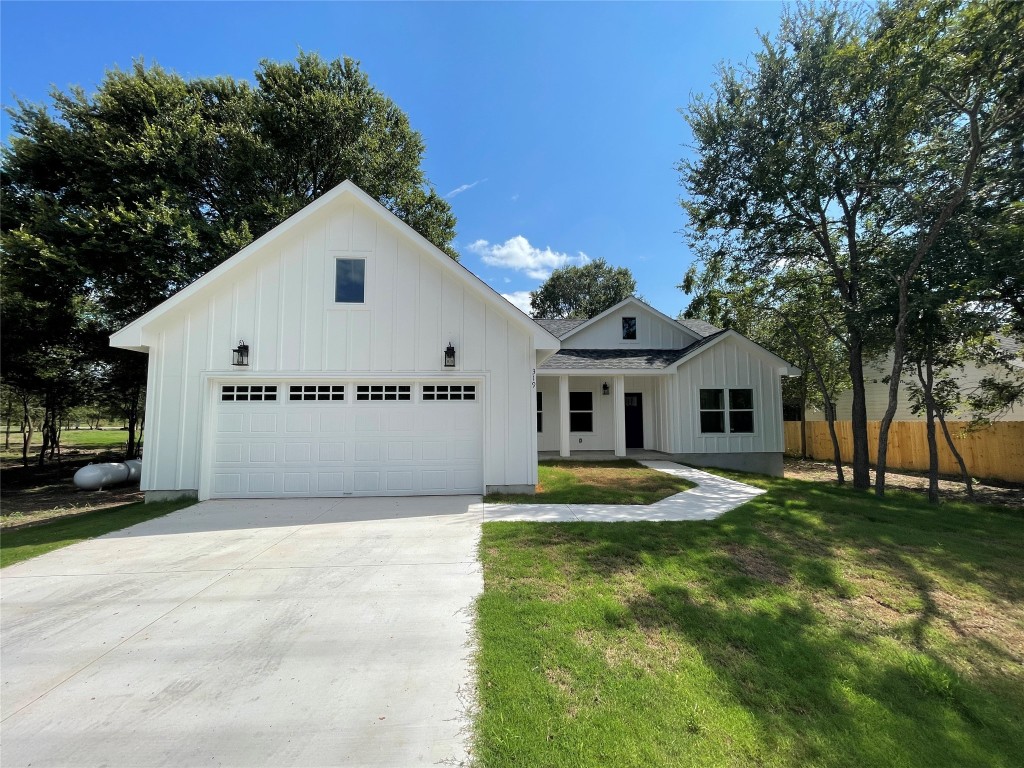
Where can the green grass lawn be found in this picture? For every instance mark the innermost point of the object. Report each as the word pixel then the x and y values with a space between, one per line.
pixel 813 626
pixel 86 440
pixel 597 482
pixel 21 544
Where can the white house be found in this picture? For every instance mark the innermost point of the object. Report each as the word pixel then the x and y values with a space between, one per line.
pixel 344 354
pixel 633 378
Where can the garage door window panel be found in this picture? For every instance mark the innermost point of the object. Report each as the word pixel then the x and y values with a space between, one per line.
pixel 240 393
pixel 384 392
pixel 316 392
pixel 435 392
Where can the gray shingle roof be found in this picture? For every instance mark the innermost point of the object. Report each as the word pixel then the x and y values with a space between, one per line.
pixel 620 359
pixel 559 326
pixel 699 327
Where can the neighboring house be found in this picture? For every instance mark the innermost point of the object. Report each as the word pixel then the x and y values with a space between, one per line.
pixel 633 378
pixel 343 354
pixel 876 390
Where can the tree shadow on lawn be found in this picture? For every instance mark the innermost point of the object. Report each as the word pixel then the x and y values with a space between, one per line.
pixel 854 630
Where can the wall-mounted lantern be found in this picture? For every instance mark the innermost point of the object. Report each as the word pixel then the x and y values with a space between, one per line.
pixel 449 356
pixel 240 354
pixel 604 389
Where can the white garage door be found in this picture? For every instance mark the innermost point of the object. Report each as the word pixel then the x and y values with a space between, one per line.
pixel 346 438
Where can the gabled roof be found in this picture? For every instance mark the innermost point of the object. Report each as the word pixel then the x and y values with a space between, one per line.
pixel 709 341
pixel 631 300
pixel 700 327
pixel 612 359
pixel 559 326
pixel 130 337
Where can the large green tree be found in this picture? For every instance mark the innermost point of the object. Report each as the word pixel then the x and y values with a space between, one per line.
pixel 115 200
pixel 850 141
pixel 584 291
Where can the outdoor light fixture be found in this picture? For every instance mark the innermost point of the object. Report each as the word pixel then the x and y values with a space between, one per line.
pixel 240 354
pixel 604 389
pixel 449 356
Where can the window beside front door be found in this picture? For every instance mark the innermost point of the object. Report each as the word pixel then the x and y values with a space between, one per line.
pixel 581 411
pixel 540 412
pixel 629 328
pixel 715 418
pixel 349 281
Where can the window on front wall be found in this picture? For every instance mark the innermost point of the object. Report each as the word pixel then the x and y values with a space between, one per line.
pixel 629 328
pixel 349 281
pixel 581 411
pixel 715 418
pixel 540 412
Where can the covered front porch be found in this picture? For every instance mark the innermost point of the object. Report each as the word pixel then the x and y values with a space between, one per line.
pixel 595 416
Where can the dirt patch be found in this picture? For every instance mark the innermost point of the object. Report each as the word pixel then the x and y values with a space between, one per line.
pixel 27 506
pixel 757 565
pixel 1007 494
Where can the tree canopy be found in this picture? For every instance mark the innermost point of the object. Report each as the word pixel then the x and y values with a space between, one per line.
pixel 115 200
pixel 584 291
pixel 850 146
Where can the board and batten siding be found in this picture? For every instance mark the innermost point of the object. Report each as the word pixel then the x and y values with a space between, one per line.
pixel 652 332
pixel 726 365
pixel 280 301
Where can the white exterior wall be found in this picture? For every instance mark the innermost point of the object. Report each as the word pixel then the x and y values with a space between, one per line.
pixel 280 300
pixel 876 394
pixel 652 332
pixel 603 436
pixel 727 364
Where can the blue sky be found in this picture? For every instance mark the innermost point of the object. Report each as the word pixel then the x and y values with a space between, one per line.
pixel 552 128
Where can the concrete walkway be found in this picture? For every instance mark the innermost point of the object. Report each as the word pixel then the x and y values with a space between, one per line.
pixel 712 497
pixel 299 632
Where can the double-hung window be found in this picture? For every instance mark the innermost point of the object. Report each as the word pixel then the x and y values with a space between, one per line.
pixel 717 418
pixel 540 412
pixel 581 411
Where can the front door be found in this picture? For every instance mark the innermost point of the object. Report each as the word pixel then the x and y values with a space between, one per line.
pixel 634 420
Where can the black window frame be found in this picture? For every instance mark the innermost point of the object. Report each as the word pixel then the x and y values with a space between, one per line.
pixel 579 416
pixel 349 299
pixel 540 412
pixel 629 329
pixel 723 416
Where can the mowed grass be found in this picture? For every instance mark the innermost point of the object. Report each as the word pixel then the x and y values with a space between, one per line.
pixel 597 482
pixel 813 626
pixel 23 543
pixel 87 440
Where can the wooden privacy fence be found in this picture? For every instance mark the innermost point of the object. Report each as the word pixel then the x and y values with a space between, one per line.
pixel 995 452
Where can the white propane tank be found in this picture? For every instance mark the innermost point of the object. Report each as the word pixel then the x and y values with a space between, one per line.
pixel 95 476
pixel 134 470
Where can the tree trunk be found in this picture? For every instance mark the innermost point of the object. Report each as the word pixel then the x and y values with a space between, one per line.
pixel 968 480
pixel 27 432
pixel 859 413
pixel 803 410
pixel 10 413
pixel 927 380
pixel 837 454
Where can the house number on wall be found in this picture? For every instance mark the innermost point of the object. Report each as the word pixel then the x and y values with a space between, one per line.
pixel 534 378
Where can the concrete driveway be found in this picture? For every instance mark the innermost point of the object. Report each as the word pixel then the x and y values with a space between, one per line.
pixel 246 633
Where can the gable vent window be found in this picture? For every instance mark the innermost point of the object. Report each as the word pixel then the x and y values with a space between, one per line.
pixel 316 392
pixel 234 393
pixel 383 392
pixel 629 328
pixel 449 392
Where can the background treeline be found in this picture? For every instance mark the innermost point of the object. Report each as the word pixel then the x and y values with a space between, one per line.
pixel 115 200
pixel 855 190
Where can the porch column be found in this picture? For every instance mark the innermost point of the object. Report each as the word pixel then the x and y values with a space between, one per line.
pixel 619 413
pixel 563 416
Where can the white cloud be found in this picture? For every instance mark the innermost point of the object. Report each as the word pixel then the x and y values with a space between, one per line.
pixel 515 197
pixel 517 253
pixel 519 299
pixel 463 188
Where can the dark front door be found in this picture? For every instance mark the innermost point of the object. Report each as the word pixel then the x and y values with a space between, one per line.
pixel 634 420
